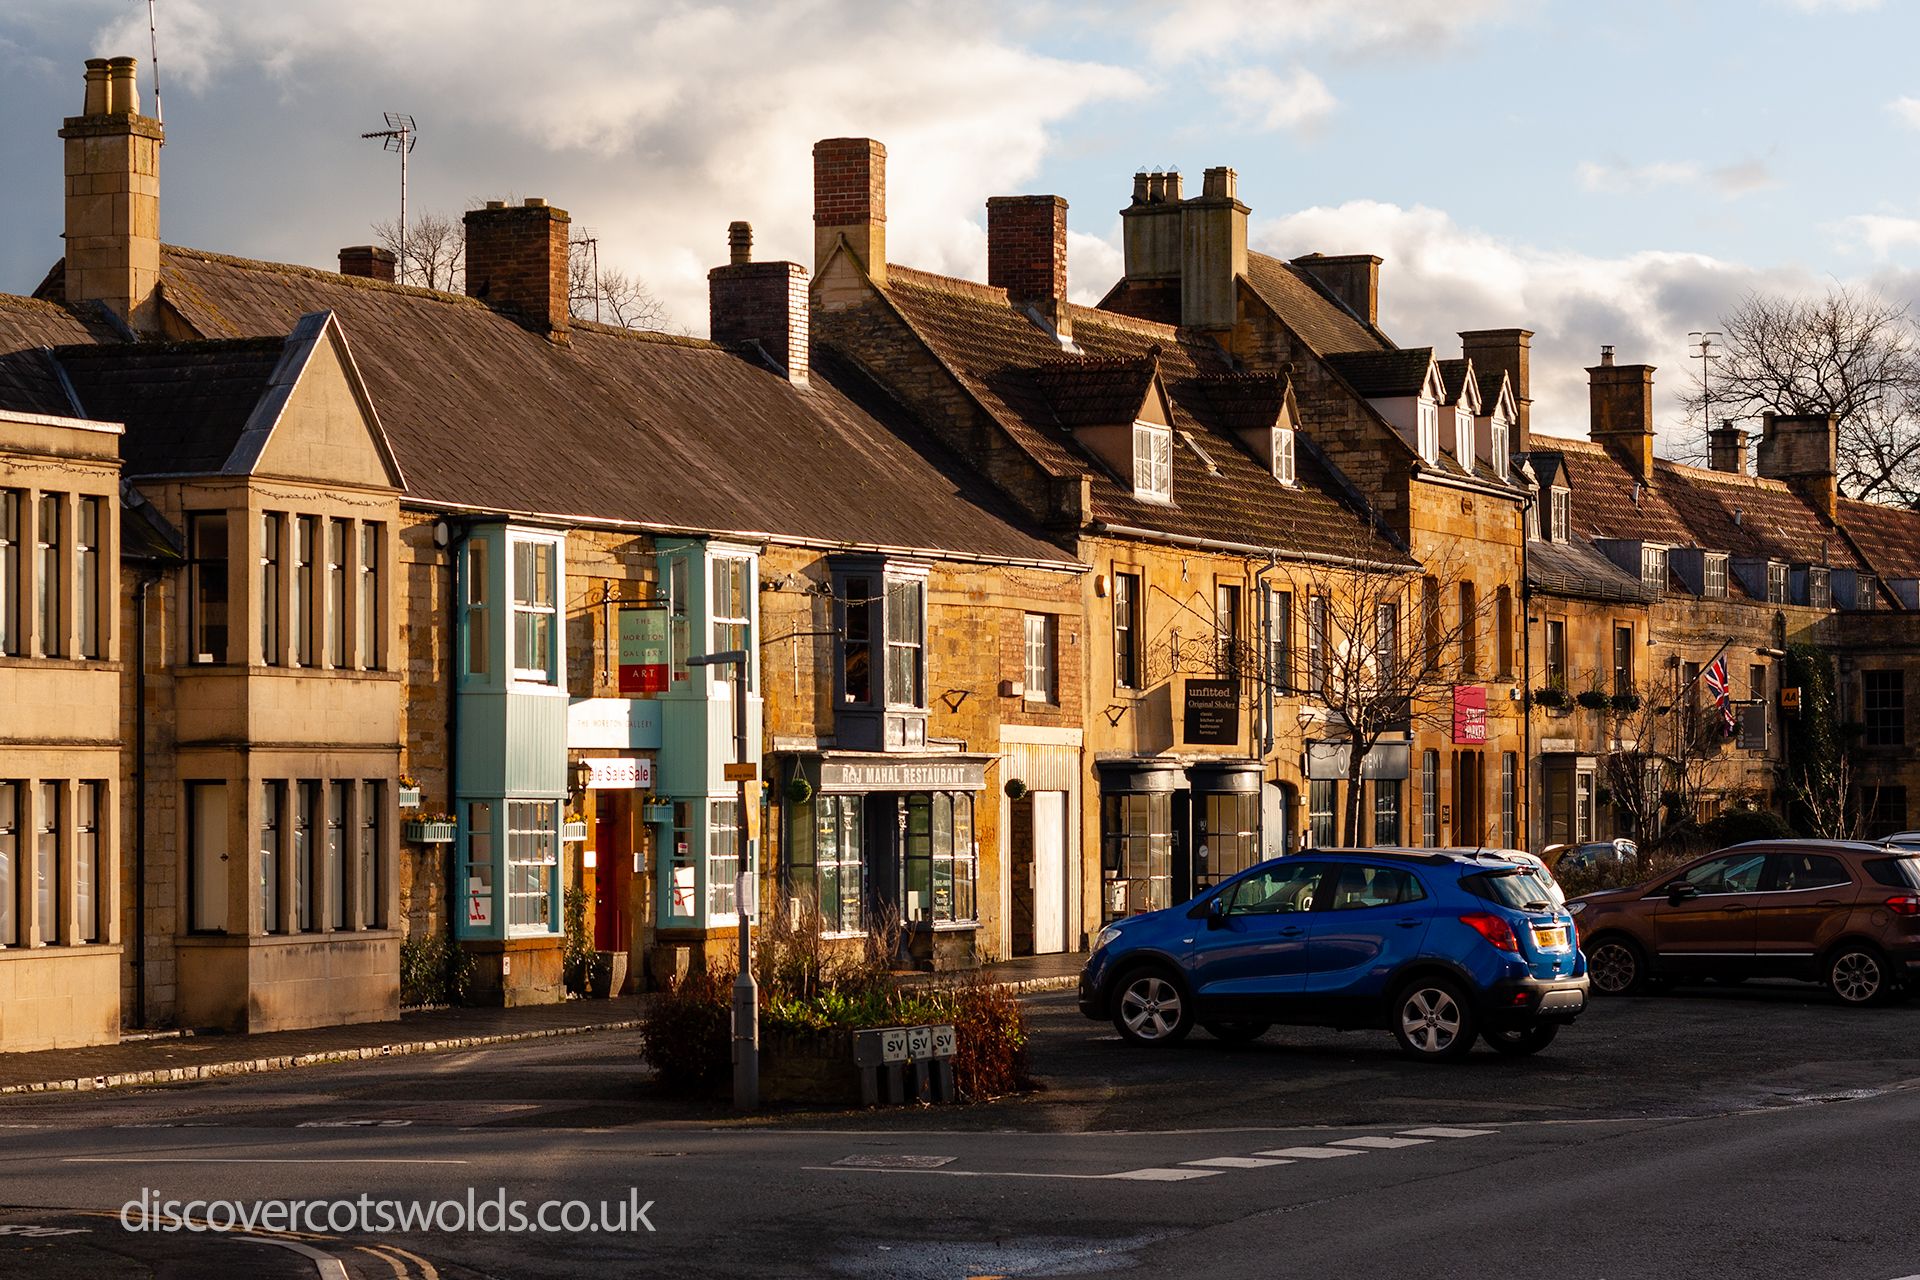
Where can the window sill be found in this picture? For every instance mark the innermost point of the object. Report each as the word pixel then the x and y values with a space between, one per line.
pixel 20 951
pixel 22 662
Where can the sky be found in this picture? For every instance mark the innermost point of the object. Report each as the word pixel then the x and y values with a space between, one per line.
pixel 1619 173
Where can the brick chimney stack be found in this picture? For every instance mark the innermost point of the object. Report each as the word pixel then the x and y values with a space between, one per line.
pixel 850 202
pixel 367 261
pixel 517 262
pixel 1509 350
pixel 113 197
pixel 1621 400
pixel 1800 449
pixel 762 303
pixel 1727 449
pixel 1354 278
pixel 1027 255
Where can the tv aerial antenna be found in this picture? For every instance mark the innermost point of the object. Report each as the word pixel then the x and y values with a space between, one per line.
pixel 153 40
pixel 400 135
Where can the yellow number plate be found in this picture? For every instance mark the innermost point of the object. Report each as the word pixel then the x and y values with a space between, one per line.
pixel 1551 939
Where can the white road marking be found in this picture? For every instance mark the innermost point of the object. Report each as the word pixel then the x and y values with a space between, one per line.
pixel 957 1173
pixel 1164 1175
pixel 1380 1144
pixel 1235 1162
pixel 235 1160
pixel 1309 1153
pixel 1442 1131
pixel 894 1162
pixel 329 1267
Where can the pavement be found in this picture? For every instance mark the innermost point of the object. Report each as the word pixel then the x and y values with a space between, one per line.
pixel 1755 1131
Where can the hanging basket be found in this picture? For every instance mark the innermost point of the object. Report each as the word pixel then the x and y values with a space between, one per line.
pixel 1016 789
pixel 799 790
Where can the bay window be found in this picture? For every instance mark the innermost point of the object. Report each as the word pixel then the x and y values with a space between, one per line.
pixel 336 593
pixel 207 592
pixel 856 642
pixel 369 604
pixel 535 611
pixel 940 859
pixel 723 859
pixel 476 615
pixel 273 799
pixel 306 799
pixel 533 841
pixel 9 862
pixel 46 862
pixel 87 576
pixel 1136 852
pixel 207 856
pixel 732 604
pixel 476 908
pixel 271 524
pixel 87 881
pixel 336 855
pixel 303 553
pixel 825 872
pixel 906 632
pixel 367 856
pixel 47 587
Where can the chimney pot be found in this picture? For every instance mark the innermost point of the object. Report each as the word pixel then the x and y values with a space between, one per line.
pixel 368 262
pixel 96 99
pixel 534 202
pixel 1219 181
pixel 123 89
pixel 739 242
pixel 1606 354
pixel 496 204
pixel 1140 182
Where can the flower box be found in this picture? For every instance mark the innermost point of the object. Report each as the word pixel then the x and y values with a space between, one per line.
pixel 573 832
pixel 409 797
pixel 661 812
pixel 428 832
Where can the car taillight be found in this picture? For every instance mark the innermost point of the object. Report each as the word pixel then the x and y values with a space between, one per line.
pixel 1904 904
pixel 1495 930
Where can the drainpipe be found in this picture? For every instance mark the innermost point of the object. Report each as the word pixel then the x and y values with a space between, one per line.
pixel 457 547
pixel 1524 783
pixel 1266 651
pixel 140 588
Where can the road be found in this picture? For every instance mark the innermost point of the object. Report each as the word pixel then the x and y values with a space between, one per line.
pixel 1759 1131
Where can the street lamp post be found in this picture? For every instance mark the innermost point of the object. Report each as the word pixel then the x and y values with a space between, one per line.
pixel 746 993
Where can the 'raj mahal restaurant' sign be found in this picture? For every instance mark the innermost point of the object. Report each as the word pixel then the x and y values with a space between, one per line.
pixel 903 775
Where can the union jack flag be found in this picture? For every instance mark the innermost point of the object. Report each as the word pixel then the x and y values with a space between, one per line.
pixel 1715 678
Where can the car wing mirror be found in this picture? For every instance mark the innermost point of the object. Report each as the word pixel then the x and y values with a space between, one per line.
pixel 1680 891
pixel 1216 911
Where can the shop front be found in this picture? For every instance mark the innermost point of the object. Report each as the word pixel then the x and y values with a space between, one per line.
pixel 880 838
pixel 612 742
pixel 1170 829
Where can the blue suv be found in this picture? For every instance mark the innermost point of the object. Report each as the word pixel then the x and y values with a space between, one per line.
pixel 1439 947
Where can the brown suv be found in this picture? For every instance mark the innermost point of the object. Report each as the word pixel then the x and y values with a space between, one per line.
pixel 1833 911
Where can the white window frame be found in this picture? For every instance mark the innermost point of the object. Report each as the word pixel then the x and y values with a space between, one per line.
pixel 1777 582
pixel 533 609
pixel 1285 468
pixel 1713 576
pixel 1463 435
pixel 1427 429
pixel 1653 568
pixel 1152 462
pixel 1497 448
pixel 726 630
pixel 1560 502
pixel 1819 587
pixel 720 889
pixel 540 847
pixel 1041 667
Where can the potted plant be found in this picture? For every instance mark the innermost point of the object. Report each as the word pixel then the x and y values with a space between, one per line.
pixel 1592 699
pixel 574 829
pixel 430 828
pixel 409 792
pixel 1626 703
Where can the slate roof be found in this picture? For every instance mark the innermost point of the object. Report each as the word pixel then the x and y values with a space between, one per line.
pixel 1018 375
pixel 1308 309
pixel 667 432
pixel 1382 375
pixel 1490 381
pixel 28 381
pixel 1453 376
pixel 184 403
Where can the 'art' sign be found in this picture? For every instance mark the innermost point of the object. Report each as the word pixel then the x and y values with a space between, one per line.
pixel 643 651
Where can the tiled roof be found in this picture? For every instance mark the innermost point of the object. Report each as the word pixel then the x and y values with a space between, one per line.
pixel 1381 375
pixel 1309 310
pixel 1096 393
pixel 1240 401
pixel 1576 569
pixel 1011 368
pixel 1747 516
pixel 28 382
pixel 671 433
pixel 184 403
pixel 1453 376
pixel 1889 537
pixel 1490 381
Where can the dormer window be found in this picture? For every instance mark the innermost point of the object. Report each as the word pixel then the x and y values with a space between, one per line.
pixel 1497 448
pixel 1463 435
pixel 1776 583
pixel 1819 588
pixel 1653 568
pixel 1561 528
pixel 1714 577
pixel 1283 455
pixel 1152 462
pixel 1428 429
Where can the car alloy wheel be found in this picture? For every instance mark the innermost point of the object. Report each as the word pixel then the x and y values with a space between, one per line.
pixel 1434 1021
pixel 1614 967
pixel 1857 976
pixel 1151 1009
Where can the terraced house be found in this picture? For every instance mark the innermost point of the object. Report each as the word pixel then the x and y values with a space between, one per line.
pixel 1238 453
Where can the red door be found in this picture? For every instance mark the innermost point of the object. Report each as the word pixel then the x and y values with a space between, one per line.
pixel 613 870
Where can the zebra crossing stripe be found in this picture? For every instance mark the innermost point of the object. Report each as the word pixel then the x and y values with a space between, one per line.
pixel 1307 1153
pixel 1235 1162
pixel 1163 1175
pixel 1442 1131
pixel 1379 1144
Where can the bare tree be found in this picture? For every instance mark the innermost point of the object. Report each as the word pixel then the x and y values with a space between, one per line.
pixel 435 253
pixel 1656 770
pixel 1383 651
pixel 607 295
pixel 1854 355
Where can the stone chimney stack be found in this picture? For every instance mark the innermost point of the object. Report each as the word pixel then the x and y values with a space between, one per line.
pixel 1509 350
pixel 1727 449
pixel 1027 255
pixel 1213 252
pixel 367 261
pixel 1354 278
pixel 763 303
pixel 850 202
pixel 113 197
pixel 1621 399
pixel 517 262
pixel 1150 228
pixel 1800 449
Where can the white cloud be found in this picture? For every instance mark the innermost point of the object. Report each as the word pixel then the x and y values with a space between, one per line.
pixel 653 125
pixel 1093 264
pixel 1881 235
pixel 1615 176
pixel 1195 27
pixel 1439 278
pixel 1906 111
pixel 1298 100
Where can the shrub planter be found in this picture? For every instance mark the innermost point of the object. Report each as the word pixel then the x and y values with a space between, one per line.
pixel 609 974
pixel 656 812
pixel 1626 703
pixel 810 1067
pixel 573 832
pixel 428 832
pixel 1553 699
pixel 1592 699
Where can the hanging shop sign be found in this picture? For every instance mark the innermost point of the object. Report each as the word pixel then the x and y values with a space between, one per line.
pixel 626 774
pixel 1469 714
pixel 1387 762
pixel 614 724
pixel 1212 713
pixel 643 651
pixel 903 775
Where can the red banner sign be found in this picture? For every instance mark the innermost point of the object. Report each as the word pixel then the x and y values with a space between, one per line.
pixel 1469 713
